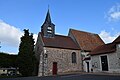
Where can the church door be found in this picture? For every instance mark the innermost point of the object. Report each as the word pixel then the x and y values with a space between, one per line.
pixel 54 70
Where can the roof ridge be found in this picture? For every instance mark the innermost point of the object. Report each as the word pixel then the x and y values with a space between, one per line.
pixel 84 31
pixel 60 41
pixel 117 39
pixel 61 35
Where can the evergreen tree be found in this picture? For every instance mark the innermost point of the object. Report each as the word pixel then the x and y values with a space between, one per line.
pixel 26 58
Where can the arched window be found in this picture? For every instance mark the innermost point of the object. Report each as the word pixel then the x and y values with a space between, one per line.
pixel 73 57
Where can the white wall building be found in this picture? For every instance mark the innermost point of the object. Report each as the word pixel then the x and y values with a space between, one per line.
pixel 106 58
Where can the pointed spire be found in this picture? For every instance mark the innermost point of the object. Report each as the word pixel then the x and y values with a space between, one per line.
pixel 48 28
pixel 48 19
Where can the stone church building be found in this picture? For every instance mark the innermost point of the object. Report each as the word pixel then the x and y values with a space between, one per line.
pixel 59 54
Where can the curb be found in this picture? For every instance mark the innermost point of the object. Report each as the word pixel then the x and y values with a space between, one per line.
pixel 91 73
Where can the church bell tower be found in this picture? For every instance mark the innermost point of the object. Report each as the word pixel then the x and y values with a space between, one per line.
pixel 48 28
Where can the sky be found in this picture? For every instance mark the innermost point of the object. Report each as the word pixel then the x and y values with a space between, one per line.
pixel 95 16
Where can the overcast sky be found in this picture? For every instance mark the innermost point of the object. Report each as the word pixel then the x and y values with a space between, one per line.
pixel 96 16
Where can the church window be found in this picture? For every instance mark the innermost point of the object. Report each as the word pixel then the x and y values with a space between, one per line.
pixel 73 57
pixel 49 31
pixel 49 28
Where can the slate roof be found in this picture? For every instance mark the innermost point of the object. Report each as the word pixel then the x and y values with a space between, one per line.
pixel 106 48
pixel 87 41
pixel 60 41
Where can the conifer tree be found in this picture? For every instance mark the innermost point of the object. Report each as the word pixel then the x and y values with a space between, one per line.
pixel 26 58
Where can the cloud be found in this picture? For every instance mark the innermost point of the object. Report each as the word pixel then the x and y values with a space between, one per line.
pixel 9 34
pixel 10 37
pixel 114 13
pixel 107 37
pixel 35 37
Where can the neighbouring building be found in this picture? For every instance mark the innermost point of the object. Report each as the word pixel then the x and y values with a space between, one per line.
pixel 9 71
pixel 3 71
pixel 59 54
pixel 87 42
pixel 106 58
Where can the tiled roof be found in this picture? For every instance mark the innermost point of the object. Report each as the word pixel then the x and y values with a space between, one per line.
pixel 103 49
pixel 117 40
pixel 106 48
pixel 87 41
pixel 59 41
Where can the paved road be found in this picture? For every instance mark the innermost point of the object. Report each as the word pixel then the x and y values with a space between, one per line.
pixel 70 77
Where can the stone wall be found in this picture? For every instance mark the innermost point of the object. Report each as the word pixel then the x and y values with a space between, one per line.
pixel 118 53
pixel 38 47
pixel 63 58
pixel 72 37
pixel 95 62
pixel 113 63
pixel 38 51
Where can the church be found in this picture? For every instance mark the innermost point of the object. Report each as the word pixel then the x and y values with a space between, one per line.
pixel 59 54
